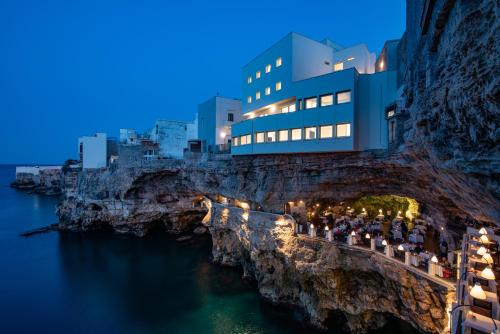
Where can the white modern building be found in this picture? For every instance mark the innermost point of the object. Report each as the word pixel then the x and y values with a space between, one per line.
pixel 93 151
pixel 128 137
pixel 216 117
pixel 301 95
pixel 172 137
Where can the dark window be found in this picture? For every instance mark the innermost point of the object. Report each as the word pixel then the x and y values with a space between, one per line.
pixel 230 117
pixel 300 104
pixel 392 131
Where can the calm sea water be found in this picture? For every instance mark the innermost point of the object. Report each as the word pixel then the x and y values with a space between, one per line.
pixel 107 283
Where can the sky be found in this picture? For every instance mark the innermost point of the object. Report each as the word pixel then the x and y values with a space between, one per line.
pixel 70 68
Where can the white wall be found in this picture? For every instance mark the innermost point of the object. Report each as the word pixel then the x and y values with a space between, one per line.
pixel 310 58
pixel 94 151
pixel 364 60
pixel 171 136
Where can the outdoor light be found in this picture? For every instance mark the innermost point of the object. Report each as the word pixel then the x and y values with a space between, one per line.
pixel 353 233
pixel 487 273
pixel 312 226
pixel 401 248
pixel 326 228
pixel 348 208
pixel 317 204
pixel 384 242
pixel 244 215
pixel 434 259
pixel 481 251
pixel 364 209
pixel 223 135
pixel 399 213
pixel 367 236
pixel 487 257
pixel 380 211
pixel 484 239
pixel 478 292
pixel 483 231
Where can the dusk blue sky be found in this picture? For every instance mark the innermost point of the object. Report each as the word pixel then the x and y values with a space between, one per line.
pixel 71 68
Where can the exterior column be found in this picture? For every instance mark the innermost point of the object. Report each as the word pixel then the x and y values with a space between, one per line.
pixel 372 244
pixel 432 268
pixel 312 231
pixel 408 258
pixel 329 235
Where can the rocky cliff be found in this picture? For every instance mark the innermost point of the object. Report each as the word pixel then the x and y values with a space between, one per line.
pixel 324 278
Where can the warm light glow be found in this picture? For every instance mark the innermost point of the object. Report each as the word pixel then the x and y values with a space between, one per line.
pixel 484 239
pixel 364 210
pixel 279 61
pixel 223 135
pixel 381 65
pixel 268 68
pixel 278 86
pixel 401 248
pixel 244 215
pixel 327 228
pixel 487 273
pixel 399 213
pixel 487 257
pixel 434 259
pixel 380 211
pixel 478 292
pixel 353 233
pixel 244 205
pixel 483 231
pixel 384 242
pixel 350 58
pixel 367 236
pixel 481 251
pixel 312 226
pixel 317 205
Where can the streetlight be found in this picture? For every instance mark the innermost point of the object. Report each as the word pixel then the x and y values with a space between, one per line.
pixel 478 292
pixel 481 251
pixel 367 236
pixel 384 242
pixel 487 273
pixel 434 259
pixel 483 231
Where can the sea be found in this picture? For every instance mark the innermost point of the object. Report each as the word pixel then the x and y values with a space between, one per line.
pixel 103 282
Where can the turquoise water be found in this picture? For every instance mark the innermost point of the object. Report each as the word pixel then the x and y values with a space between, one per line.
pixel 107 283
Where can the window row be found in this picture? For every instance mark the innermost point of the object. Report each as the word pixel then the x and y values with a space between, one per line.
pixel 326 100
pixel 267 91
pixel 278 63
pixel 309 133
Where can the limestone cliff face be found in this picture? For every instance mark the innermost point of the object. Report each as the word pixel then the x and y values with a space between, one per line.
pixel 451 80
pixel 324 277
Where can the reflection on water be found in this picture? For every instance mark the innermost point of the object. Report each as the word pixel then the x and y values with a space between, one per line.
pixel 108 283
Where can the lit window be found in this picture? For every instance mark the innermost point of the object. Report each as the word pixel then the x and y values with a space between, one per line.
pixel 291 107
pixel 279 61
pixel 257 75
pixel 278 86
pixel 268 90
pixel 296 134
pixel 326 100
pixel 268 68
pixel 326 131
pixel 235 141
pixel 243 140
pixel 284 110
pixel 249 99
pixel 271 136
pixel 283 135
pixel 343 130
pixel 249 79
pixel 344 97
pixel 249 139
pixel 310 133
pixel 311 102
pixel 257 96
pixel 338 67
pixel 259 137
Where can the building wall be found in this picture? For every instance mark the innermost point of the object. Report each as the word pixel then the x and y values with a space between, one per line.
pixel 214 127
pixel 94 151
pixel 171 137
pixel 364 60
pixel 375 92
pixel 310 58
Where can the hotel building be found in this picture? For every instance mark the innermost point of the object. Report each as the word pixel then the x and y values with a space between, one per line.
pixel 302 96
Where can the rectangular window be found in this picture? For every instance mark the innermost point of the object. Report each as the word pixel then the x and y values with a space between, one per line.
pixel 278 86
pixel 257 75
pixel 326 131
pixel 326 100
pixel 300 104
pixel 310 133
pixel 235 141
pixel 284 110
pixel 249 99
pixel 271 136
pixel 344 97
pixel 268 68
pixel 283 135
pixel 249 139
pixel 259 137
pixel 243 140
pixel 257 96
pixel 311 102
pixel 392 131
pixel 296 134
pixel 279 61
pixel 291 107
pixel 338 67
pixel 230 117
pixel 343 130
pixel 249 79
pixel 268 90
